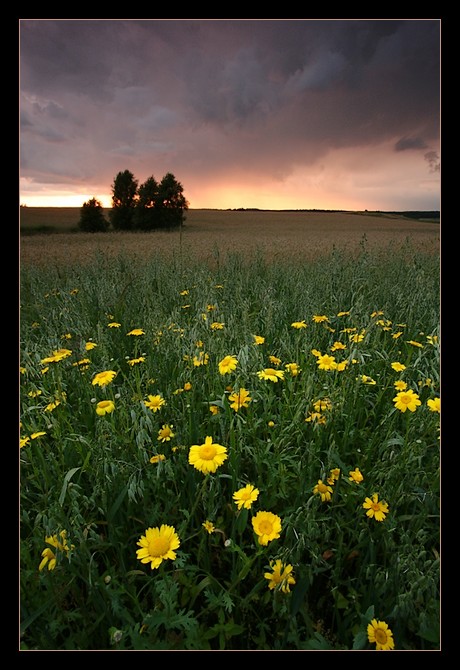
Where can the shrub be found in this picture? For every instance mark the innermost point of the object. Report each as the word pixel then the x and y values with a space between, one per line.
pixel 92 219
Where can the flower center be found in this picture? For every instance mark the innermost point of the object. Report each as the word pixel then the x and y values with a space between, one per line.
pixel 322 488
pixel 159 546
pixel 380 636
pixel 265 527
pixel 207 452
pixel 375 507
pixel 405 399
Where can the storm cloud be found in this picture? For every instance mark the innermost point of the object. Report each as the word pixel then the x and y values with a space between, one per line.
pixel 238 103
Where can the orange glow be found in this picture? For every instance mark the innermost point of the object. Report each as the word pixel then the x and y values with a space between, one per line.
pixel 371 178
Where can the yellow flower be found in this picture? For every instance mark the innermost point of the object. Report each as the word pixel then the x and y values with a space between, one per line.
pixel 157 458
pixel 335 474
pixel 90 345
pixel 136 331
pixel 105 407
pixel 326 362
pixel 214 409
pixel 155 402
pixel 415 344
pixel 355 476
pixel 227 364
pixel 399 367
pixel 271 374
pixel 52 405
pixel 316 417
pixel 103 378
pixel 406 400
pixel 275 360
pixel 375 509
pixel 209 526
pixel 338 345
pixel 82 364
pixel 40 433
pixel 24 441
pixel 114 324
pixel 207 457
pixel 216 325
pixel 322 404
pixel 239 399
pixel 187 386
pixel 323 490
pixel 281 576
pixel 58 542
pixel 299 324
pixel 320 318
pixel 434 404
pixel 293 369
pixel 258 339
pixel 201 359
pixel 267 526
pixel 379 633
pixel 133 361
pixel 245 496
pixel 57 355
pixel 368 380
pixel 158 545
pixel 34 394
pixel 400 385
pixel 165 433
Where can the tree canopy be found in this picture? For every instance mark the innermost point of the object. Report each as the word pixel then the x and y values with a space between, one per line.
pixel 92 219
pixel 149 205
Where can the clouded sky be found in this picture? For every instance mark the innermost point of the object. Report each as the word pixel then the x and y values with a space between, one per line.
pixel 275 114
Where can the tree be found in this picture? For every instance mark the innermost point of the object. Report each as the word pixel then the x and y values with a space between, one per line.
pixel 147 213
pixel 92 219
pixel 124 192
pixel 171 202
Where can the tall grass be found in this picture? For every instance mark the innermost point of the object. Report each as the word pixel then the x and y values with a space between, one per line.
pixel 95 476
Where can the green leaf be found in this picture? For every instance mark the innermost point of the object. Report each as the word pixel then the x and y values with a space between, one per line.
pixel 67 479
pixel 360 640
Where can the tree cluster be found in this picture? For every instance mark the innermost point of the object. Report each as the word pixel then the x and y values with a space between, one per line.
pixel 148 206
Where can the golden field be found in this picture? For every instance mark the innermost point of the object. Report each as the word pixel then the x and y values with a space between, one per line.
pixel 211 235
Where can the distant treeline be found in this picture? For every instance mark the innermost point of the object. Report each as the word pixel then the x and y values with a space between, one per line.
pixel 434 214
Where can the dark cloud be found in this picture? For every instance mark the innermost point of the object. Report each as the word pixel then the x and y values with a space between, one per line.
pixel 406 143
pixel 222 95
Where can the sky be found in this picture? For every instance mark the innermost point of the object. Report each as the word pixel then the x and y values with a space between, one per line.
pixel 263 113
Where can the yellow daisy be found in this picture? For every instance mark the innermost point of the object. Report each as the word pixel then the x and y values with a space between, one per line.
pixel 245 496
pixel 207 457
pixel 281 576
pixel 267 526
pixel 379 633
pixel 158 545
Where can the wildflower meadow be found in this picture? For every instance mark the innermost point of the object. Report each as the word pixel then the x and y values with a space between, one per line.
pixel 243 455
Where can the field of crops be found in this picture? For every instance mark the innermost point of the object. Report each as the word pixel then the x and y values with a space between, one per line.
pixel 230 436
pixel 213 234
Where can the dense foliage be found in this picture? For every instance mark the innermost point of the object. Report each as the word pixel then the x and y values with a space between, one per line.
pixel 125 369
pixel 92 219
pixel 147 206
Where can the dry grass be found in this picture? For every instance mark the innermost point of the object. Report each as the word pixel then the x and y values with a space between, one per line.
pixel 212 234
